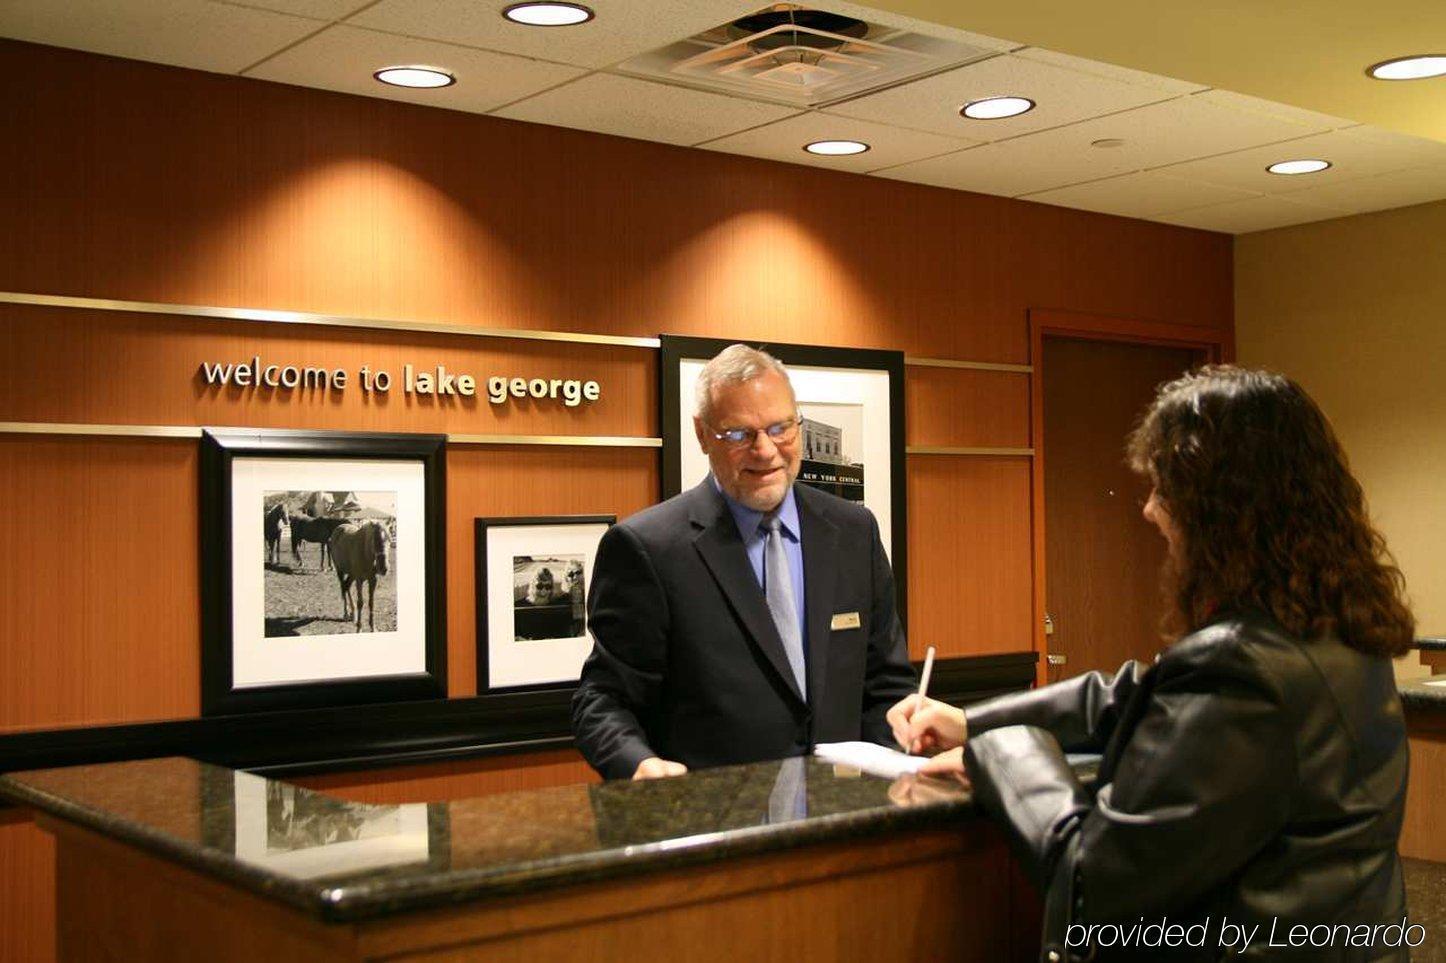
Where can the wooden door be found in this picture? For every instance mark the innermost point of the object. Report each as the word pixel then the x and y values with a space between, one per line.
pixel 1102 559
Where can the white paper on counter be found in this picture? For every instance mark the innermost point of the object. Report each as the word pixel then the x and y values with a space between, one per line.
pixel 870 758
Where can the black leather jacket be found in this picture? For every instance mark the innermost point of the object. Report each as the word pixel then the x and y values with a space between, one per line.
pixel 1246 777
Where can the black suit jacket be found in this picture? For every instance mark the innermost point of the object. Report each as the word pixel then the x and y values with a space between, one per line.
pixel 686 661
pixel 1246 774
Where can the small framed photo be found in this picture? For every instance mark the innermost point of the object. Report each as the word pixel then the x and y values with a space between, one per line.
pixel 532 580
pixel 852 436
pixel 322 569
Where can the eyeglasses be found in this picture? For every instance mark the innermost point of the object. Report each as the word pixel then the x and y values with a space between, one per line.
pixel 780 433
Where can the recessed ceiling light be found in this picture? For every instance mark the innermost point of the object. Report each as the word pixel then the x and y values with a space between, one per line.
pixel 548 14
pixel 1298 166
pixel 996 108
pixel 415 76
pixel 1409 68
pixel 1108 142
pixel 836 148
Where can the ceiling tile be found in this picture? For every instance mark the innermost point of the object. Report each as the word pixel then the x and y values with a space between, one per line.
pixel 1254 214
pixel 620 29
pixel 784 141
pixel 1415 185
pixel 1168 85
pixel 980 169
pixel 1061 96
pixel 185 33
pixel 1356 152
pixel 1142 194
pixel 887 18
pixel 1153 136
pixel 1269 108
pixel 630 107
pixel 343 58
pixel 315 9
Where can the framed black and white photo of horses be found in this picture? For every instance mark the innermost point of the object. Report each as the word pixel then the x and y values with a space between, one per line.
pixel 322 569
pixel 532 579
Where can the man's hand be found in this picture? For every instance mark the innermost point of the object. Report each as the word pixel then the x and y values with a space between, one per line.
pixel 655 768
pixel 926 726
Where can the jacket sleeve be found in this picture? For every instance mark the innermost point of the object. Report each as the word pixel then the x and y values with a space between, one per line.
pixel 1081 713
pixel 1201 786
pixel 888 675
pixel 622 676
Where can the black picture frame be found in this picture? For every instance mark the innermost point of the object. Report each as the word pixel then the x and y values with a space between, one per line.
pixel 677 430
pixel 220 448
pixel 486 682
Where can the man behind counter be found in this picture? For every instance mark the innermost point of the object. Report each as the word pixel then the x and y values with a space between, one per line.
pixel 746 619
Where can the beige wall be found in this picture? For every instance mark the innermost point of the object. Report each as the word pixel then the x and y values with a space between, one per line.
pixel 1355 310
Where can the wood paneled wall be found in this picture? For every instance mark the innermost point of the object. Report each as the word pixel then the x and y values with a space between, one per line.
pixel 128 180
pixel 133 181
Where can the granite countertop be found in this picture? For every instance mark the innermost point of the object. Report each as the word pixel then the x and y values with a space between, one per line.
pixel 1425 693
pixel 345 861
pixel 1421 693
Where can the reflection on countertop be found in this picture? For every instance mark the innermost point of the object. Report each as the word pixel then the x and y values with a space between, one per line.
pixel 342 860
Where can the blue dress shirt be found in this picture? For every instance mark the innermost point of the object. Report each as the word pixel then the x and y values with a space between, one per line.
pixel 754 542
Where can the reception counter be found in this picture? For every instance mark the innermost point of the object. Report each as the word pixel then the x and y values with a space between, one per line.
pixel 176 859
pixel 1424 702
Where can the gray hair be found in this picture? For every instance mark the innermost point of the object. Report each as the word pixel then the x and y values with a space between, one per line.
pixel 733 365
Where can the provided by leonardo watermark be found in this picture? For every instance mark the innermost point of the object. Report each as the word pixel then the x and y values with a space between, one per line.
pixel 1278 933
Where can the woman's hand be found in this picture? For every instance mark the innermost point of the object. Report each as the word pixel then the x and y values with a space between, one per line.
pixel 926 726
pixel 949 763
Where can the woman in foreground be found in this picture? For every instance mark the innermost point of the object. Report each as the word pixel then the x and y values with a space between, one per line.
pixel 1253 778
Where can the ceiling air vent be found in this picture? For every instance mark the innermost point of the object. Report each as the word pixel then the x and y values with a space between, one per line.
pixel 801 56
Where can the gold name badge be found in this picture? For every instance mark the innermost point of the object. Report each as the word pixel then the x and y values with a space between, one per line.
pixel 845 620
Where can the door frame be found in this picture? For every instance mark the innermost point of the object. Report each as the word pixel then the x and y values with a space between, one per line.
pixel 1218 346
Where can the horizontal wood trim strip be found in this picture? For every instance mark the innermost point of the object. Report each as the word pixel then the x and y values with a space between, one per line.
pixel 390 324
pixel 971 365
pixel 322 320
pixel 99 431
pixel 364 737
pixel 578 441
pixel 187 431
pixel 937 450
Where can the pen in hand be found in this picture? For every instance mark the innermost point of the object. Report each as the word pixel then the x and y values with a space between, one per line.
pixel 923 690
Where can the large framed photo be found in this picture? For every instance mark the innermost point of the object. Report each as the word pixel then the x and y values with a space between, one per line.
pixel 852 404
pixel 532 580
pixel 322 569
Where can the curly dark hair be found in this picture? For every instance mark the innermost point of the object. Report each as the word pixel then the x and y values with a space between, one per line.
pixel 1269 515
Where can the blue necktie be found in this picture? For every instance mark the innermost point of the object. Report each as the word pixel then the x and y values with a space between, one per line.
pixel 778 589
